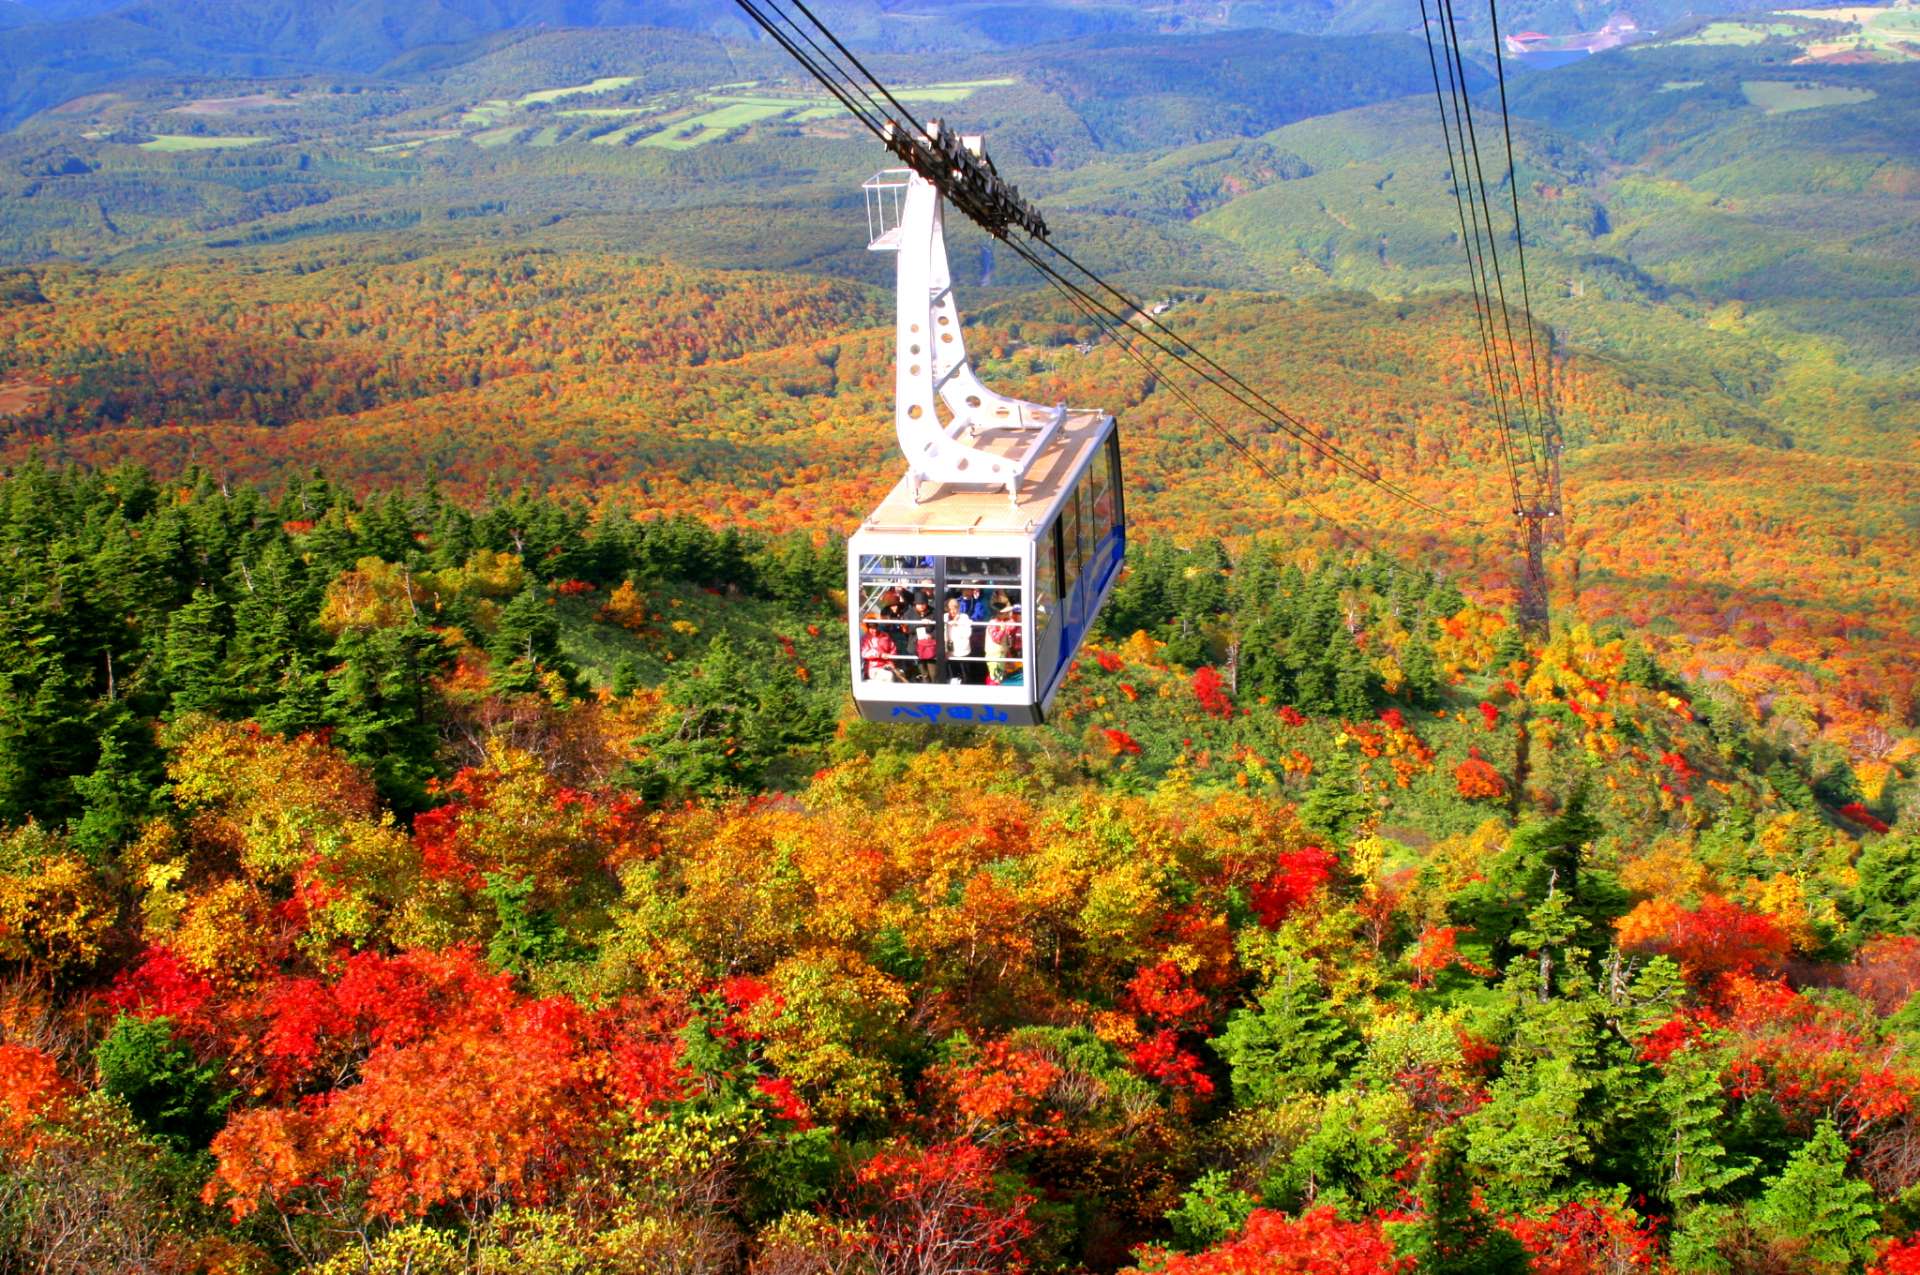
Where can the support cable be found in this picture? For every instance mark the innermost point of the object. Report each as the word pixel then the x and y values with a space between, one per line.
pixel 1480 181
pixel 1520 240
pixel 1468 243
pixel 1087 307
pixel 843 84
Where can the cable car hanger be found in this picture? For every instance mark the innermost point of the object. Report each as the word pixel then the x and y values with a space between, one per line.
pixel 930 348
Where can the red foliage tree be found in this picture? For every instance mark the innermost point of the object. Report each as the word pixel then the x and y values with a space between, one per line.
pixel 1864 817
pixel 1297 875
pixel 32 1092
pixel 937 1211
pixel 1886 971
pixel 1588 1237
pixel 997 1097
pixel 464 1089
pixel 1438 949
pixel 1316 1243
pixel 1902 1257
pixel 1716 938
pixel 1211 690
pixel 1161 992
pixel 1475 779
pixel 1160 1057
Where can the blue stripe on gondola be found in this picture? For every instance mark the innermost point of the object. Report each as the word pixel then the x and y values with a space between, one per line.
pixel 1076 610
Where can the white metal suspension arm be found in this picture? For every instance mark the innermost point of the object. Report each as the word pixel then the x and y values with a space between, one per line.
pixel 931 363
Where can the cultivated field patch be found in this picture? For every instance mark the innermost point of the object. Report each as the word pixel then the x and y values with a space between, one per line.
pixel 1778 97
pixel 179 143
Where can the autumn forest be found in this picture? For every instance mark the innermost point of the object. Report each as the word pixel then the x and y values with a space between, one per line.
pixel 435 834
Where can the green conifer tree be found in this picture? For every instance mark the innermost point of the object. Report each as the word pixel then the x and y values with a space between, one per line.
pixel 192 664
pixel 1335 807
pixel 1813 1201
pixel 1421 669
pixel 526 643
pixel 1455 1236
pixel 1288 1042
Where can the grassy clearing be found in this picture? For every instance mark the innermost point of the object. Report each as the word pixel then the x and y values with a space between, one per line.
pixel 1738 33
pixel 487 112
pixel 597 648
pixel 169 144
pixel 1680 86
pixel 620 136
pixel 680 138
pixel 737 113
pixel 495 136
pixel 605 84
pixel 1859 13
pixel 20 396
pixel 234 105
pixel 1777 97
pixel 775 103
pixel 605 112
pixel 1886 33
pixel 952 91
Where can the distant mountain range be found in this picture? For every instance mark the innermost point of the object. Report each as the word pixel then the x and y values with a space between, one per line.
pixel 54 50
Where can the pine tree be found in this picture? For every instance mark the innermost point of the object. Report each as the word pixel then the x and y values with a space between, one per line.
pixel 1445 600
pixel 452 538
pixel 1356 682
pixel 626 677
pixel 387 531
pixel 272 623
pixel 1813 1201
pixel 297 702
pixel 1288 1043
pixel 123 787
pixel 332 546
pixel 526 643
pixel 379 700
pixel 733 719
pixel 1421 669
pixel 191 665
pixel 1694 1165
pixel 1313 688
pixel 1455 1236
pixel 1335 807
pixel 1509 648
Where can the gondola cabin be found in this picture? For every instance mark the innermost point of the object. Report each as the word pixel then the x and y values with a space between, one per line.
pixel 972 586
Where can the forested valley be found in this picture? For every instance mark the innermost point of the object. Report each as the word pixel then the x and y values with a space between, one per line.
pixel 404 883
pixel 436 835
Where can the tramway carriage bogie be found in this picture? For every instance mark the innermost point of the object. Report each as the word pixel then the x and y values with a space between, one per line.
pixel 974 583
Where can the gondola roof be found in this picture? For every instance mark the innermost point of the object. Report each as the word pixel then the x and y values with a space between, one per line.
pixel 987 511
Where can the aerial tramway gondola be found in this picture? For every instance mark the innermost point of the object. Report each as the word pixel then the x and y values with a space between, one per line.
pixel 972 586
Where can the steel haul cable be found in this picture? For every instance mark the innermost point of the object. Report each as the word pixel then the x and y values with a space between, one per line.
pixel 1478 185
pixel 1206 369
pixel 1513 190
pixel 1470 242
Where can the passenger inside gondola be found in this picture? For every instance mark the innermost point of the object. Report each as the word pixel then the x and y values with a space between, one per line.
pixel 953 620
pixel 1003 646
pixel 959 636
pixel 926 642
pixel 876 653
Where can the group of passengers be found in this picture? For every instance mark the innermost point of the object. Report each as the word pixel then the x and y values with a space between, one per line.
pixel 904 639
